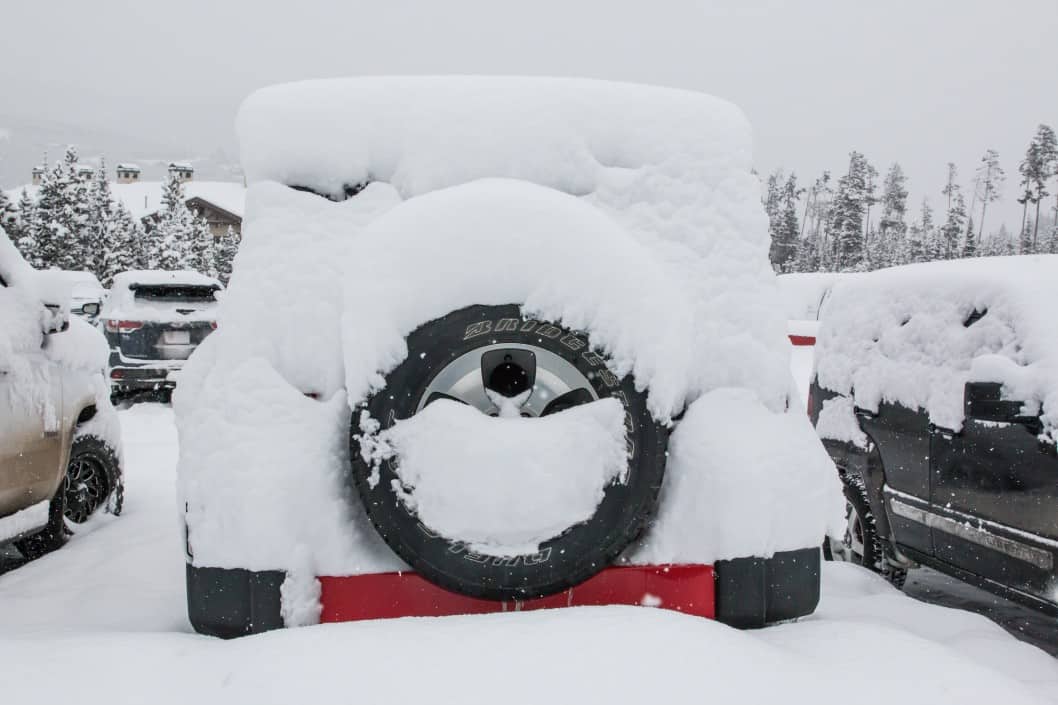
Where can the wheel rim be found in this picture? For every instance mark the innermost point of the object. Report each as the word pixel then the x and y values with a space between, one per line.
pixel 851 548
pixel 86 488
pixel 510 379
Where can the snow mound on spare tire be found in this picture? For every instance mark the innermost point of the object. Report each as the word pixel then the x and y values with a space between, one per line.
pixel 496 241
pixel 628 212
pixel 505 485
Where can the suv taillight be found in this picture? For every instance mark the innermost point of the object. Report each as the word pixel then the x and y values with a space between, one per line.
pixel 113 326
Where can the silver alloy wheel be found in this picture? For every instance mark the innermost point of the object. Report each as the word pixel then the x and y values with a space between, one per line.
pixel 477 378
pixel 852 547
pixel 85 489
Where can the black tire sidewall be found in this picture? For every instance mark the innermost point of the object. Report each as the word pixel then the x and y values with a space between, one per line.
pixel 564 561
pixel 94 447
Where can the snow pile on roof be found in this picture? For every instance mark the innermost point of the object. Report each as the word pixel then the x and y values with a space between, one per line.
pixel 915 335
pixel 645 231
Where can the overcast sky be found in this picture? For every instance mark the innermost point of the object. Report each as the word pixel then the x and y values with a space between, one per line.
pixel 922 83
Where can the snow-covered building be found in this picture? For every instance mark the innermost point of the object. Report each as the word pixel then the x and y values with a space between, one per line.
pixel 38 174
pixel 128 172
pixel 182 170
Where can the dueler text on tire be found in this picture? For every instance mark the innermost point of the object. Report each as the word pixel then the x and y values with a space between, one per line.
pixel 496 348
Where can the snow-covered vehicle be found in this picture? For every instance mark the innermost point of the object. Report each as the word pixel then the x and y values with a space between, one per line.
pixel 85 293
pixel 153 321
pixel 519 336
pixel 60 444
pixel 936 394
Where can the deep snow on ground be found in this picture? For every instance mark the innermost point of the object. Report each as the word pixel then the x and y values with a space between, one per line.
pixel 102 621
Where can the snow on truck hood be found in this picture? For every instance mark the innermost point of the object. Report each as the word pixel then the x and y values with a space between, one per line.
pixel 647 231
pixel 910 335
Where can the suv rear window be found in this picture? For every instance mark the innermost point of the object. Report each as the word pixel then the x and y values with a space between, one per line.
pixel 174 293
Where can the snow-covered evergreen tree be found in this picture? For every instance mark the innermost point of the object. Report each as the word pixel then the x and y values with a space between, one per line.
pixel 954 226
pixel 169 243
pixel 781 204
pixel 201 246
pixel 988 184
pixel 124 247
pixel 97 238
pixel 847 219
pixel 26 239
pixel 224 255
pixel 892 228
pixel 1025 244
pixel 969 243
pixel 62 215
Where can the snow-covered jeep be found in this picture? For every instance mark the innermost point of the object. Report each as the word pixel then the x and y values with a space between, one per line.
pixel 519 336
pixel 60 444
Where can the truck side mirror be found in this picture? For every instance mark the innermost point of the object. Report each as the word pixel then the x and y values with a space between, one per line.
pixel 982 401
pixel 90 309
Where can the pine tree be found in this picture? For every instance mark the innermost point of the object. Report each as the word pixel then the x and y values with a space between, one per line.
pixel 954 226
pixel 171 239
pixel 931 242
pixel 782 201
pixel 850 202
pixel 969 245
pixel 1036 168
pixel 892 228
pixel 989 184
pixel 62 215
pixel 225 255
pixel 1047 157
pixel 27 228
pixel 773 209
pixel 8 216
pixel 97 237
pixel 123 249
pixel 1025 245
pixel 201 246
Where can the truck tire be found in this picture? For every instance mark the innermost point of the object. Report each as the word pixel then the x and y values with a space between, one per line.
pixel 93 480
pixel 490 346
pixel 861 544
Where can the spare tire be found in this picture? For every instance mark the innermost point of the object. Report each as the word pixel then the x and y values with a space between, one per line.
pixel 457 357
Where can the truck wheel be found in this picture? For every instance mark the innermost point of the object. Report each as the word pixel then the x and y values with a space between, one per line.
pixel 93 480
pixel 459 357
pixel 861 544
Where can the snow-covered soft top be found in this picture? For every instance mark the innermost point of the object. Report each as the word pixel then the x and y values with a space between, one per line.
pixel 915 335
pixel 424 133
pixel 667 201
pixel 123 304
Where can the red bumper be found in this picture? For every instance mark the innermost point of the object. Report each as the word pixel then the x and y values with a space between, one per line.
pixel 683 588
